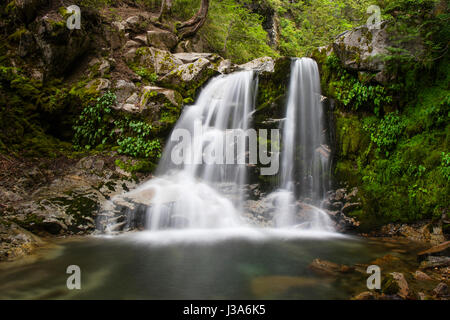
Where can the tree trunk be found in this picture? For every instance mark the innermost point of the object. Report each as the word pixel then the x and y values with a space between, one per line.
pixel 166 8
pixel 190 27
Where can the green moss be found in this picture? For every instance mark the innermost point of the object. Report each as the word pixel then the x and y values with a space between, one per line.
pixel 136 166
pixel 389 285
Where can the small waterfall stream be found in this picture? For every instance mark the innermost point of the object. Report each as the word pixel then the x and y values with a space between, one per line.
pixel 305 155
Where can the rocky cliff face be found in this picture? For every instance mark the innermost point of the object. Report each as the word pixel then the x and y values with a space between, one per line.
pixel 365 73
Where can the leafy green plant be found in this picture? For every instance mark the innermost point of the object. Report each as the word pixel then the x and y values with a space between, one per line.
pixel 93 126
pixel 96 127
pixel 351 92
pixel 386 134
pixel 445 165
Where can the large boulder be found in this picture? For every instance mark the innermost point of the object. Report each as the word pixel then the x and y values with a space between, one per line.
pixel 364 48
pixel 396 284
pixel 189 57
pixel 264 64
pixel 15 241
pixel 190 76
pixel 162 39
pixel 154 60
pixel 71 202
pixel 59 47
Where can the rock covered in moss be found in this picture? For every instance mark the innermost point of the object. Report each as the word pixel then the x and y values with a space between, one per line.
pixel 395 284
pixel 15 241
pixel 263 64
pixel 364 49
pixel 70 202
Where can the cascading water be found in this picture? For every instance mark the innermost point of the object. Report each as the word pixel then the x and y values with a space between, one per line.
pixel 305 159
pixel 198 188
pixel 190 193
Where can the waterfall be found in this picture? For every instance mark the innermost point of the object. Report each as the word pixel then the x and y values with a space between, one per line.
pixel 305 155
pixel 195 188
pixel 195 192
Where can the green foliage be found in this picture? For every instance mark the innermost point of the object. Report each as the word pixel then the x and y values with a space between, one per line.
pixel 403 173
pixel 445 165
pixel 136 166
pixel 138 143
pixel 97 126
pixel 386 134
pixel 93 126
pixel 306 25
pixel 139 147
pixel 235 33
pixel 145 73
pixel 350 91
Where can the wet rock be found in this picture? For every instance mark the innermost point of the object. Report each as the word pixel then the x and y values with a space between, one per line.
pixel 226 66
pixel 419 275
pixel 346 224
pixel 99 67
pixel 131 44
pixel 329 268
pixel 435 262
pixel 395 284
pixel 264 64
pixel 421 232
pixel 441 290
pixel 119 25
pixel 442 249
pixel 69 203
pixel 15 241
pixel 190 75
